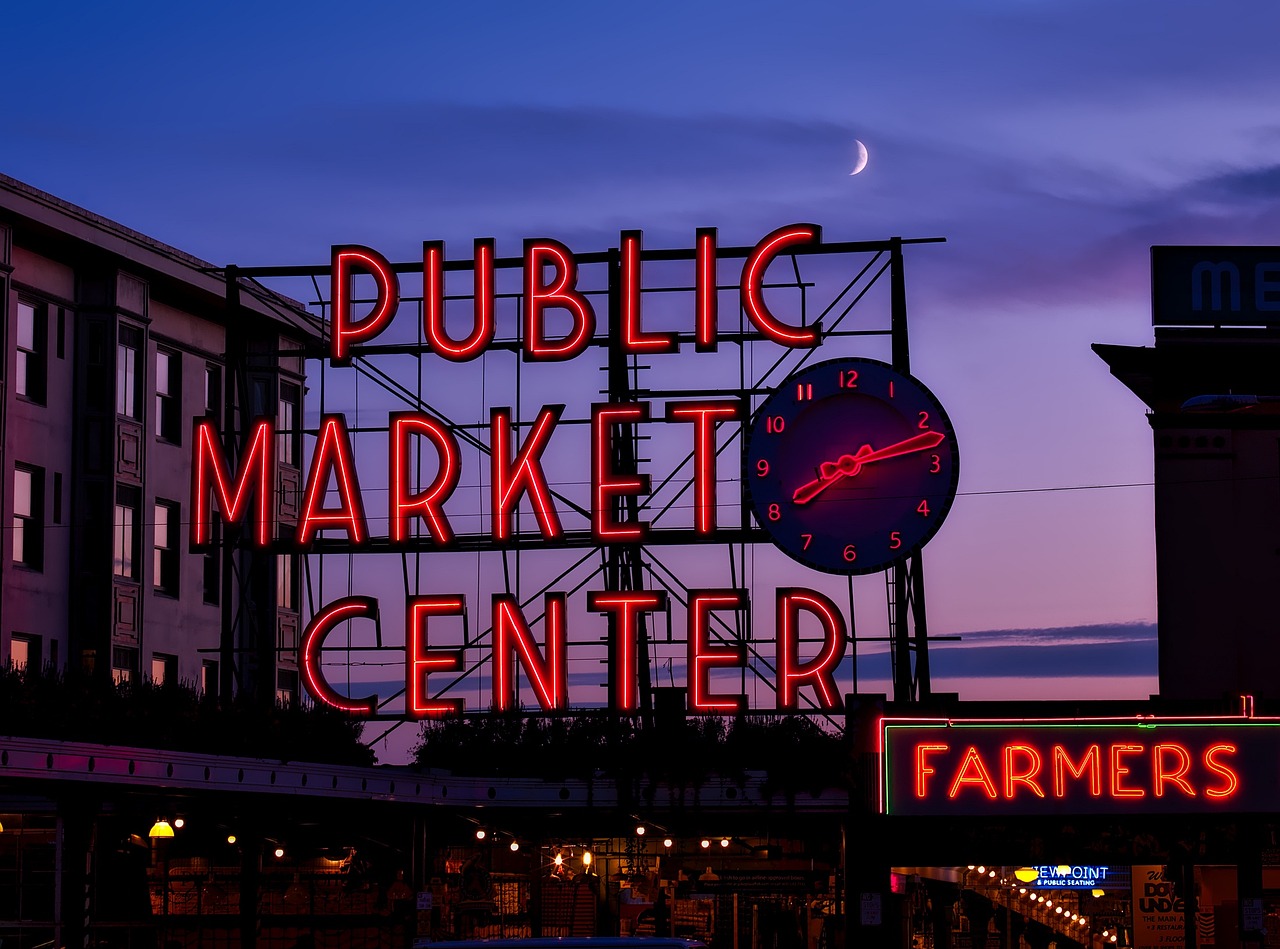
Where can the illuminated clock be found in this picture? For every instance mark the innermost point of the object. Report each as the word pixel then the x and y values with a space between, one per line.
pixel 850 466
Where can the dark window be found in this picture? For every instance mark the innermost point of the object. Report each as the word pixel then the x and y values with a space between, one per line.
pixel 33 343
pixel 169 396
pixel 124 664
pixel 213 564
pixel 28 516
pixel 289 439
pixel 213 390
pixel 164 669
pixel 164 561
pixel 127 378
pixel 57 497
pixel 286 687
pixel 62 333
pixel 126 533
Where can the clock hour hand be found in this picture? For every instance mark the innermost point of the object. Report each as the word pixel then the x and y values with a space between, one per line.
pixel 846 466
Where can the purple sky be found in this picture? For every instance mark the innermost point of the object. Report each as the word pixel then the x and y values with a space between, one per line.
pixel 1050 142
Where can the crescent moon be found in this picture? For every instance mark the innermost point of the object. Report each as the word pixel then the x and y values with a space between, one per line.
pixel 860 161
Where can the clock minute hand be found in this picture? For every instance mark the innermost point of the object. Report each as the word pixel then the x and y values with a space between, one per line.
pixel 849 465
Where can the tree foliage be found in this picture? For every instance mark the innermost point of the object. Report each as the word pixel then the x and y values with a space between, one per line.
pixel 48 704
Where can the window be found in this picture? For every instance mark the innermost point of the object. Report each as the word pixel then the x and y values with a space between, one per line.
pixel 128 344
pixel 126 533
pixel 209 678
pixel 164 669
pixel 28 516
pixel 169 396
pixel 213 391
pixel 33 342
pixel 286 596
pixel 124 664
pixel 286 687
pixel 24 652
pixel 289 438
pixel 213 564
pixel 164 561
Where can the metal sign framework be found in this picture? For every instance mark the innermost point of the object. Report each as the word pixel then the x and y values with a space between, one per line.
pixel 827 284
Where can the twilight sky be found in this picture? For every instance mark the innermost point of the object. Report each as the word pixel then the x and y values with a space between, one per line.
pixel 1050 142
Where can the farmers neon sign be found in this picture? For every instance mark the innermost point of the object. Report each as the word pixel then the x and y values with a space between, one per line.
pixel 333 499
pixel 1039 767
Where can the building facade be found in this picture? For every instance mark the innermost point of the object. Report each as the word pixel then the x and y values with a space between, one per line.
pixel 114 342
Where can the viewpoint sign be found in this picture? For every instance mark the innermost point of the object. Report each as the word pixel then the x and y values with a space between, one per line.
pixel 1215 286
pixel 948 768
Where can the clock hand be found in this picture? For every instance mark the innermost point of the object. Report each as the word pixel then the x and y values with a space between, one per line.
pixel 829 472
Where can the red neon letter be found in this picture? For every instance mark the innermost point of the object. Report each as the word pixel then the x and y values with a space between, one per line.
pixel 428 504
pixel 343 330
pixel 753 285
pixel 702 603
pixel 1062 763
pixel 420 661
pixel 606 486
pixel 923 769
pixel 548 677
pixel 332 455
pixel 626 607
pixel 705 305
pixel 1177 776
pixel 704 416
pixel 820 671
pixel 457 350
pixel 559 293
pixel 509 479
pixel 256 466
pixel 1226 772
pixel 634 339
pixel 339 611
pixel 1026 775
pixel 973 771
pixel 1119 770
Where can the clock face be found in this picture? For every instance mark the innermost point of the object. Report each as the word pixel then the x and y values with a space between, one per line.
pixel 851 466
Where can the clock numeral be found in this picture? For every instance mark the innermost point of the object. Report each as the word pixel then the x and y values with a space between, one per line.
pixel 924 420
pixel 808 539
pixel 774 424
pixel 923 507
pixel 762 467
pixel 804 390
pixel 935 464
pixel 850 555
pixel 849 379
pixel 895 540
pixel 775 513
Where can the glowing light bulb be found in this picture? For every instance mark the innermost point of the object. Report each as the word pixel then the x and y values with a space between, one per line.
pixel 724 841
pixel 705 843
pixel 640 830
pixel 586 858
pixel 480 834
pixel 231 838
pixel 559 860
pixel 515 845
pixel 279 852
pixel 667 841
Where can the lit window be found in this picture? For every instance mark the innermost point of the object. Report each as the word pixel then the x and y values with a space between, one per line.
pixel 164 566
pixel 286 687
pixel 289 438
pixel 164 669
pixel 209 678
pixel 24 651
pixel 285 587
pixel 127 346
pixel 29 370
pixel 169 396
pixel 126 533
pixel 28 516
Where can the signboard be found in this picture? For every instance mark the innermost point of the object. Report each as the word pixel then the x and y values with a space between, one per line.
pixel 1068 877
pixel 1129 766
pixel 1158 916
pixel 869 909
pixel 1215 286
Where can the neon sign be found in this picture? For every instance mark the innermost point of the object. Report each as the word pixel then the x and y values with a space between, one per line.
pixel 1068 877
pixel 1092 766
pixel 333 497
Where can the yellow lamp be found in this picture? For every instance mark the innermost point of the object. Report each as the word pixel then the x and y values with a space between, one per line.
pixel 160 828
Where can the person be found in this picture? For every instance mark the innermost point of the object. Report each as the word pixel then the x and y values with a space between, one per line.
pixel 661 915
